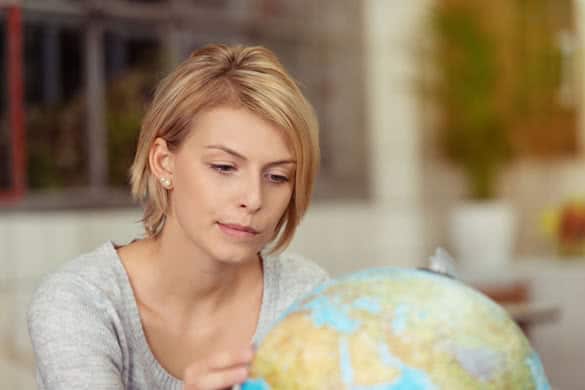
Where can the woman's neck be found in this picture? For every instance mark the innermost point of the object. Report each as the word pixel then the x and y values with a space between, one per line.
pixel 179 279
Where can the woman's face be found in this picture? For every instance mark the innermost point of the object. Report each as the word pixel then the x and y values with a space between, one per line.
pixel 233 180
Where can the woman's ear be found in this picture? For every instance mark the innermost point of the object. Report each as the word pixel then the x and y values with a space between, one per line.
pixel 161 161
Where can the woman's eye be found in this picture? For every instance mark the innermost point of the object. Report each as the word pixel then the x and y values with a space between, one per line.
pixel 223 168
pixel 277 178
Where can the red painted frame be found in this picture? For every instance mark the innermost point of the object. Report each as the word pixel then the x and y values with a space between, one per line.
pixel 14 64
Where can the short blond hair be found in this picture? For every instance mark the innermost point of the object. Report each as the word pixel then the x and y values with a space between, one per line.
pixel 218 75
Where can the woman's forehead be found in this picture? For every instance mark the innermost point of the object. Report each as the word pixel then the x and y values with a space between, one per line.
pixel 242 131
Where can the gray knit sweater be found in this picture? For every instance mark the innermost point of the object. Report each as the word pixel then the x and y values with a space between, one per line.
pixel 85 326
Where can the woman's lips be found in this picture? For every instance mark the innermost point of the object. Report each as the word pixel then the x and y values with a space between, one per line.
pixel 237 231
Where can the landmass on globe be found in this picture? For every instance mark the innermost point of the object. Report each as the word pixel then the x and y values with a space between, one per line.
pixel 393 329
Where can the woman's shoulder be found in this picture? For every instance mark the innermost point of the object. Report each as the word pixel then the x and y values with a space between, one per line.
pixel 293 274
pixel 294 268
pixel 287 278
pixel 77 330
pixel 88 276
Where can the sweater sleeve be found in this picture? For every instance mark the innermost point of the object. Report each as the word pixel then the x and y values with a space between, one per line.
pixel 73 336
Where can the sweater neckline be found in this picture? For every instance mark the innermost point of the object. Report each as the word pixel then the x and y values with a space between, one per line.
pixel 162 375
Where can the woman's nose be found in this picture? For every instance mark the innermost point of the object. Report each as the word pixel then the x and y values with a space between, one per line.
pixel 251 197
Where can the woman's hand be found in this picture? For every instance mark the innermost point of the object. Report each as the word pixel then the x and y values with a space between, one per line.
pixel 220 371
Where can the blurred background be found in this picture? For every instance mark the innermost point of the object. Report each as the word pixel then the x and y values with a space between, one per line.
pixel 445 123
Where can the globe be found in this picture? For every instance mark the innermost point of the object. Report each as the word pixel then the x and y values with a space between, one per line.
pixel 395 329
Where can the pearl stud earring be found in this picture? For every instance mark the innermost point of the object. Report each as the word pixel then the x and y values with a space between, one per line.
pixel 165 181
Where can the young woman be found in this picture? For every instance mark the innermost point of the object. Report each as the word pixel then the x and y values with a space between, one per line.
pixel 224 169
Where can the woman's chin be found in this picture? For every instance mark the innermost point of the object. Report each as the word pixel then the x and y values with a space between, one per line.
pixel 236 255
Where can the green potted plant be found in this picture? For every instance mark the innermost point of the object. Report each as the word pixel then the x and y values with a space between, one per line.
pixel 473 132
pixel 503 90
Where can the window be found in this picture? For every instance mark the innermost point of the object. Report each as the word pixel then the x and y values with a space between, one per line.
pixel 133 66
pixel 55 115
pixel 88 79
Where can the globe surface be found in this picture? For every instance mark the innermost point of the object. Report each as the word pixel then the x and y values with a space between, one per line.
pixel 389 329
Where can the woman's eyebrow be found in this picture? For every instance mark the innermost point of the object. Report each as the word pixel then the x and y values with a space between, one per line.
pixel 227 150
pixel 242 157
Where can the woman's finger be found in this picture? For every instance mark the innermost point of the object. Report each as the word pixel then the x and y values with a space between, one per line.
pixel 219 361
pixel 221 370
pixel 230 358
pixel 217 380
